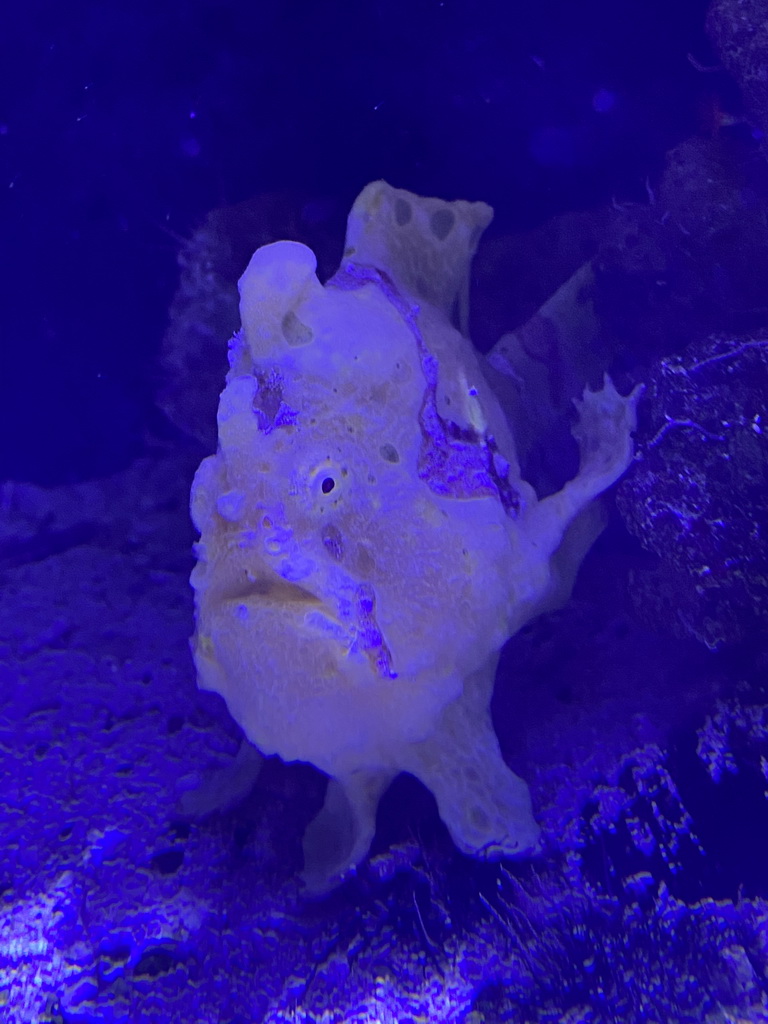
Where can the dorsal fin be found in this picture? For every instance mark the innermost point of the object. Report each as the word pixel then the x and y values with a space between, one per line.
pixel 426 245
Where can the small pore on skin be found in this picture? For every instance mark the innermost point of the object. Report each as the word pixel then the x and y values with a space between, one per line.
pixel 389 453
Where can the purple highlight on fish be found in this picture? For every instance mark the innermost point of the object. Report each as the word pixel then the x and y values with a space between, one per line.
pixel 454 461
pixel 369 636
pixel 268 405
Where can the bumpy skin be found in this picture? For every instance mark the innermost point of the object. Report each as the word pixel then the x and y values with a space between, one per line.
pixel 367 544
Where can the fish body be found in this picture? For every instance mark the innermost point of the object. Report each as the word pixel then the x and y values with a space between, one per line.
pixel 367 542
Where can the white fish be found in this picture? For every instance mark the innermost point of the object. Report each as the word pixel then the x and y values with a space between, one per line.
pixel 367 544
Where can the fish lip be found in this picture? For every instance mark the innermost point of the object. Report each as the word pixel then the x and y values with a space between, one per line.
pixel 269 586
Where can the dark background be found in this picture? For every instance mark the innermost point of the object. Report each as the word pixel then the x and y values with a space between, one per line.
pixel 123 123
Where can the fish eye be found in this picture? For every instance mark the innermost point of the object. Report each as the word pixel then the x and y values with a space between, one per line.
pixel 326 481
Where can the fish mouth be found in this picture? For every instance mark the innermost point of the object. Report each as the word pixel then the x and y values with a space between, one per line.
pixel 290 602
pixel 269 588
pixel 284 598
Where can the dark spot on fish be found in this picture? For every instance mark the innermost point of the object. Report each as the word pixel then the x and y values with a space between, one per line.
pixel 441 223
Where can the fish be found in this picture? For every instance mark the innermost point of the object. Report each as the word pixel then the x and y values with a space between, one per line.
pixel 367 542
